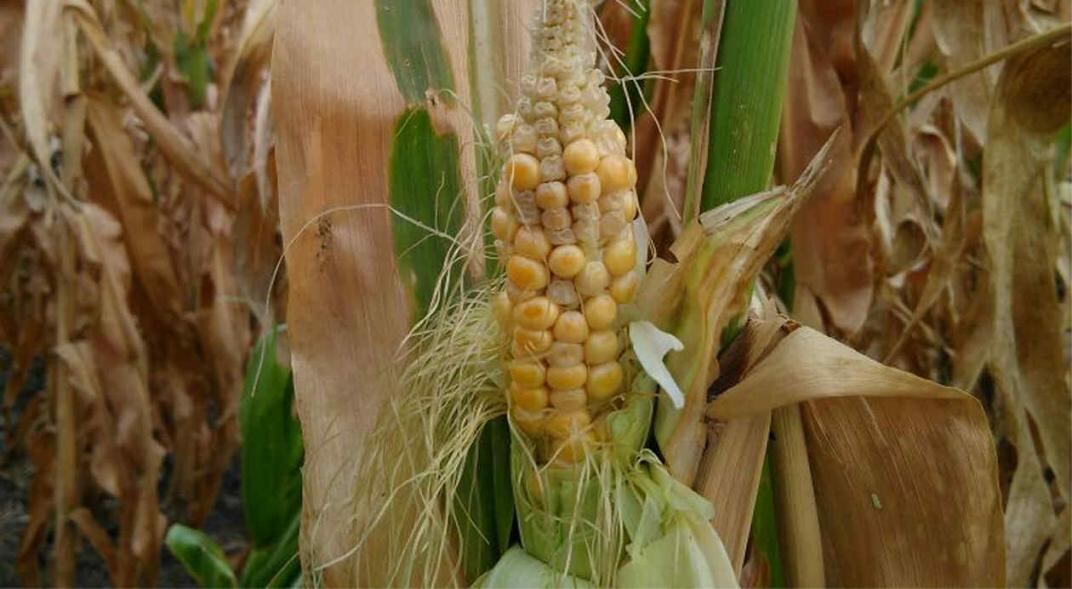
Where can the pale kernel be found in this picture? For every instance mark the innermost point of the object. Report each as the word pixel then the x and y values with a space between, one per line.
pixel 573 449
pixel 619 256
pixel 552 195
pixel 601 347
pixel 566 261
pixel 529 399
pixel 557 219
pixel 564 425
pixel 537 313
pixel 529 422
pixel 562 354
pixel 548 146
pixel 516 294
pixel 532 243
pixel 563 293
pixel 523 139
pixel 584 188
pixel 571 400
pixel 505 126
pixel 592 280
pixel 552 169
pixel 503 224
pixel 566 378
pixel 600 311
pixel 581 157
pixel 604 381
pixel 614 172
pixel 526 273
pixel 523 170
pixel 532 342
pixel 624 287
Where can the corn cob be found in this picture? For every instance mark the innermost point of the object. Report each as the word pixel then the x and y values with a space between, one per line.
pixel 563 224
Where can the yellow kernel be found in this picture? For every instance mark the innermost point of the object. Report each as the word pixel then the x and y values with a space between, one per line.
pixel 564 425
pixel 573 449
pixel 552 195
pixel 571 400
pixel 503 224
pixel 571 328
pixel 601 347
pixel 619 257
pixel 593 279
pixel 527 374
pixel 530 422
pixel 523 170
pixel 604 381
pixel 629 205
pixel 566 261
pixel 564 379
pixel 584 188
pixel 624 287
pixel 534 399
pixel 564 354
pixel 581 157
pixel 526 273
pixel 504 195
pixel 531 342
pixel 501 308
pixel 532 243
pixel 614 172
pixel 537 313
pixel 600 311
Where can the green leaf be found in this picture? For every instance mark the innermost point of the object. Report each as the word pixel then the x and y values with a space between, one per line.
pixel 278 565
pixel 625 97
pixel 747 106
pixel 764 525
pixel 200 556
pixel 425 186
pixel 413 47
pixel 271 446
pixel 485 501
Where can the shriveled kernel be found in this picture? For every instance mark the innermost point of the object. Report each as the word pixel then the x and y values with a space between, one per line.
pixel 624 287
pixel 503 224
pixel 523 139
pixel 573 114
pixel 584 188
pixel 505 126
pixel 566 261
pixel 546 127
pixel 600 311
pixel 544 109
pixel 571 327
pixel 566 424
pixel 566 378
pixel 561 236
pixel 557 219
pixel 593 279
pixel 517 294
pixel 537 313
pixel 530 422
pixel 563 293
pixel 526 273
pixel 552 169
pixel 570 400
pixel 527 373
pixel 502 308
pixel 562 354
pixel 523 170
pixel 614 172
pixel 601 347
pixel 546 88
pixel 581 157
pixel 548 146
pixel 529 399
pixel 552 195
pixel 533 342
pixel 619 256
pixel 611 224
pixel 524 207
pixel 532 243
pixel 572 132
pixel 604 381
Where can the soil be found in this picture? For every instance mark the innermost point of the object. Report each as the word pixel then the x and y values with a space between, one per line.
pixel 224 524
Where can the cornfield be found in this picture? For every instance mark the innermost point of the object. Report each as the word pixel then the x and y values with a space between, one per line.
pixel 515 293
